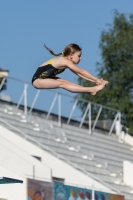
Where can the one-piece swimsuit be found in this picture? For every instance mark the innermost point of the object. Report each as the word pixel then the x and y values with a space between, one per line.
pixel 47 71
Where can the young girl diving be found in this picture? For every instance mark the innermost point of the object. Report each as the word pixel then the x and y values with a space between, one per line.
pixel 46 75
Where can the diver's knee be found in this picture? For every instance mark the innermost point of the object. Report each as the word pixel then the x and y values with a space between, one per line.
pixel 63 84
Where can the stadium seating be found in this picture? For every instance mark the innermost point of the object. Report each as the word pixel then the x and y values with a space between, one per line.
pixel 99 154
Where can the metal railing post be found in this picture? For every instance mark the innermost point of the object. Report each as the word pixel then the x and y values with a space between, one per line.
pixel 89 117
pixel 119 116
pixel 95 122
pixel 52 105
pixel 59 110
pixel 33 171
pixel 25 98
pixel 111 129
pixel 73 108
pixel 20 100
pixel 93 192
pixel 85 113
pixel 34 101
pixel 2 83
pixel 24 95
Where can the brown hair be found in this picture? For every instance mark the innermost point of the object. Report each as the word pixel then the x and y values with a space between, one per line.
pixel 69 49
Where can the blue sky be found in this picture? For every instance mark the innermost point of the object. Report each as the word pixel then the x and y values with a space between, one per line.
pixel 25 25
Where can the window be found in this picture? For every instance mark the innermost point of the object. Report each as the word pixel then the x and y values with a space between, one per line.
pixel 60 180
pixel 38 158
pixel 3 199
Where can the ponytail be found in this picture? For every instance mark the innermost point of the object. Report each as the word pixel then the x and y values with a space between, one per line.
pixel 69 49
pixel 54 54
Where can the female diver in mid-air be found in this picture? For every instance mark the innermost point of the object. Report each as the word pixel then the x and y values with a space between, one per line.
pixel 45 76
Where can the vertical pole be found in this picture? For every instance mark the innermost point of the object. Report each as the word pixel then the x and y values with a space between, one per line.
pixel 51 174
pixel 33 172
pixel 52 105
pixel 34 101
pixel 25 98
pixel 119 116
pixel 85 113
pixel 111 129
pixel 73 108
pixel 95 122
pixel 2 83
pixel 59 110
pixel 20 99
pixel 89 117
pixel 93 192
pixel 24 95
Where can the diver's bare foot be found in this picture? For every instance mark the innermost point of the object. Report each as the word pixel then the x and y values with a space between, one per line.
pixel 97 89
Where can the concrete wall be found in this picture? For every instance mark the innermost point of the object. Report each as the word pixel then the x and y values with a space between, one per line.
pixel 128 173
pixel 13 191
pixel 128 139
pixel 14 157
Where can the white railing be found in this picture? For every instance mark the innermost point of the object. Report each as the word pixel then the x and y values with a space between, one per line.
pixel 67 105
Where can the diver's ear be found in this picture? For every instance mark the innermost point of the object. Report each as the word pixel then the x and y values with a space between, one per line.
pixel 71 55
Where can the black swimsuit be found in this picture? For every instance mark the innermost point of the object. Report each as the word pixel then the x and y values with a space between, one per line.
pixel 47 71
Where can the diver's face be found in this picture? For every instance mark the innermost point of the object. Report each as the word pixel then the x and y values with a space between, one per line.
pixel 76 57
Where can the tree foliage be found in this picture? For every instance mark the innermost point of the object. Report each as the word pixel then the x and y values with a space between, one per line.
pixel 116 45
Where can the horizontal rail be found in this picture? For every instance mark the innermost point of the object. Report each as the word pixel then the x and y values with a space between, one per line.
pixel 80 99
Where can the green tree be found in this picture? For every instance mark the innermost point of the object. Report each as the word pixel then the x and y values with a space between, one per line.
pixel 116 46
